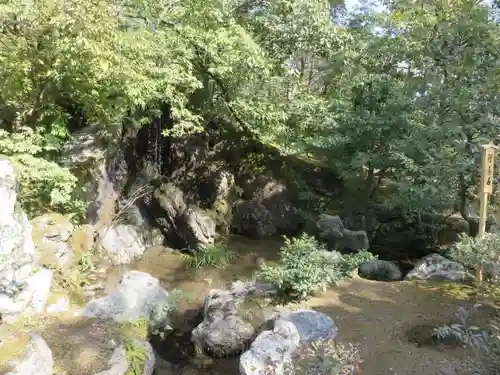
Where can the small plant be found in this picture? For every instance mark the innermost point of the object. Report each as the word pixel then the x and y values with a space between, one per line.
pixel 485 344
pixel 210 256
pixel 327 357
pixel 136 357
pixel 305 266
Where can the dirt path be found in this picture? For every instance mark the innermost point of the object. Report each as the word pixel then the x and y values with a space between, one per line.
pixel 377 315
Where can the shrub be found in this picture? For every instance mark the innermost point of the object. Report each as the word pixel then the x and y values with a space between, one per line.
pixel 43 184
pixel 484 344
pixel 214 255
pixel 473 251
pixel 305 266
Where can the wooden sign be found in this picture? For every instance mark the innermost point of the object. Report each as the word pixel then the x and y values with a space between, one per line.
pixel 487 168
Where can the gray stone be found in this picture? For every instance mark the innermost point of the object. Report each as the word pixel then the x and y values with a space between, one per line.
pixel 330 229
pixel 272 350
pixel 122 243
pixel 437 267
pixel 380 270
pixel 222 332
pixel 22 289
pixel 37 359
pixel 312 325
pixel 196 229
pixel 137 296
pixel 354 240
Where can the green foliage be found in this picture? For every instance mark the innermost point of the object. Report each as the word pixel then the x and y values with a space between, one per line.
pixel 401 97
pixel 215 255
pixel 43 184
pixel 305 266
pixel 473 251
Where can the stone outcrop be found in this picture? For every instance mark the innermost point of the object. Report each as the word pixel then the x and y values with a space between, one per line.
pixel 330 229
pixel 24 287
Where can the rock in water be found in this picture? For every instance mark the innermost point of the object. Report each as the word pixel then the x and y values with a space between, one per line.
pixel 437 267
pixel 21 289
pixel 380 270
pixel 222 332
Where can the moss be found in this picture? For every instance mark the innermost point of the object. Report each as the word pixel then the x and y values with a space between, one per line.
pixel 12 346
pixel 82 240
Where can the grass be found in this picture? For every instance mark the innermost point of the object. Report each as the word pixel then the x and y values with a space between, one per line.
pixel 215 255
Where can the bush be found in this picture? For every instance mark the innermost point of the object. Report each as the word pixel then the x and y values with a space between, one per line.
pixel 43 184
pixel 210 256
pixel 305 266
pixel 484 344
pixel 473 251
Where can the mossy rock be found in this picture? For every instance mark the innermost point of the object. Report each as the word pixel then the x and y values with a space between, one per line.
pixel 13 344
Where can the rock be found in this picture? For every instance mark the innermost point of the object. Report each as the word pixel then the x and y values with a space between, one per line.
pixel 51 235
pixel 122 243
pixel 8 189
pixel 353 241
pixel 241 289
pixel 380 270
pixel 330 230
pixel 437 267
pixel 286 218
pixel 272 350
pixel 102 175
pixel 171 200
pixel 268 212
pixel 253 219
pixel 222 332
pixel 312 325
pixel 35 360
pixel 196 229
pixel 137 296
pixel 22 289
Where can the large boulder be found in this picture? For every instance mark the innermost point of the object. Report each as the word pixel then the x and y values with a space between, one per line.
pixel 380 270
pixel 23 286
pixel 331 230
pixel 273 350
pixel 222 332
pixel 267 213
pixel 437 267
pixel 122 243
pixel 138 295
pixel 196 229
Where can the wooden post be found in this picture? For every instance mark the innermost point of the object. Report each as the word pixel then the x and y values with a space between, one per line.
pixel 485 189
